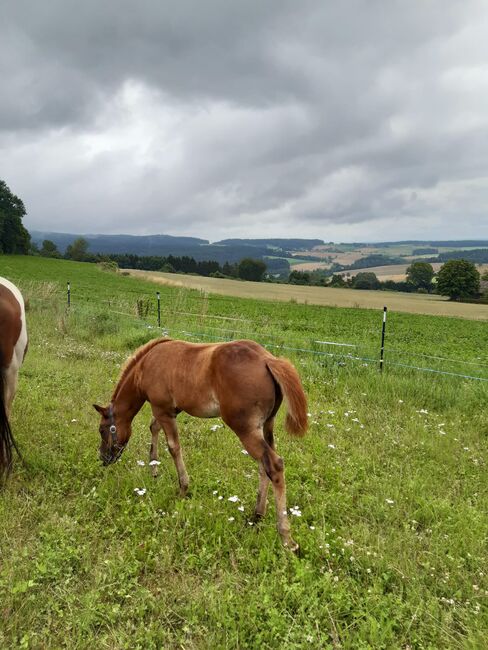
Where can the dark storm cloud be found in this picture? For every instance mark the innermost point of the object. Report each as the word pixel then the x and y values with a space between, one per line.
pixel 218 118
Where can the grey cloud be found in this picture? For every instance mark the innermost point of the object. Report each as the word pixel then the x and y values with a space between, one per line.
pixel 216 117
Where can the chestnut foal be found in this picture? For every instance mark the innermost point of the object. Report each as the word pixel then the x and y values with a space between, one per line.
pixel 239 381
pixel 13 346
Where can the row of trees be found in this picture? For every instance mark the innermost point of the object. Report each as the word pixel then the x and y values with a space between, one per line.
pixel 246 269
pixel 458 279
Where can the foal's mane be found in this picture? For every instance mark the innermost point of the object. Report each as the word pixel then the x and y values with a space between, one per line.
pixel 133 359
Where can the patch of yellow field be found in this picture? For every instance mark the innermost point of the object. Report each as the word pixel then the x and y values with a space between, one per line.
pixel 345 258
pixel 396 272
pixel 405 302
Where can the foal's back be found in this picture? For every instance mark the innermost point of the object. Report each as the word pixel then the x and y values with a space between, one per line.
pixel 208 379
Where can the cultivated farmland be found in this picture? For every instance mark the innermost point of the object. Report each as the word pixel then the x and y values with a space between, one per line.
pixel 396 301
pixel 388 487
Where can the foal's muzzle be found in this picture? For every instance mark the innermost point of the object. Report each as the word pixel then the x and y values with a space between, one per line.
pixel 112 455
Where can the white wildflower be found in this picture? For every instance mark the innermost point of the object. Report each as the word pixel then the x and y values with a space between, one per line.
pixel 141 463
pixel 140 491
pixel 233 499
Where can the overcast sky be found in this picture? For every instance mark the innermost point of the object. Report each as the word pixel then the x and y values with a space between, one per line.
pixel 347 120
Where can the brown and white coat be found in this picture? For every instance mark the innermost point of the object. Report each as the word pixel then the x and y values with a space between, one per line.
pixel 13 346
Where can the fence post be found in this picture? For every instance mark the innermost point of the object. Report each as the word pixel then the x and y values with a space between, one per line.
pixel 69 294
pixel 159 308
pixel 382 351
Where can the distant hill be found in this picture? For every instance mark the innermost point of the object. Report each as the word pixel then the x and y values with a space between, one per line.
pixel 283 244
pixel 164 245
pixel 137 244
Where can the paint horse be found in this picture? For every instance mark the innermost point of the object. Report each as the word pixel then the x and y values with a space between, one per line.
pixel 13 346
pixel 239 381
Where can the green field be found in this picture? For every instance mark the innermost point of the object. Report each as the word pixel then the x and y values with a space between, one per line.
pixel 390 482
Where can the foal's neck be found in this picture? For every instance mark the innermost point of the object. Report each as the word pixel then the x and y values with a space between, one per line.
pixel 128 398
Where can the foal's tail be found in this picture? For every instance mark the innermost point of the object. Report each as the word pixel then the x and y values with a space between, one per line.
pixel 287 378
pixel 6 438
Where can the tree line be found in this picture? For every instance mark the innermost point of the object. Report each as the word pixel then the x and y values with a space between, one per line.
pixel 246 269
pixel 459 279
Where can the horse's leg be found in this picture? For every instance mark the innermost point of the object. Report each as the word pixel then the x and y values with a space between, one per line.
pixel 155 428
pixel 261 451
pixel 11 377
pixel 173 440
pixel 262 497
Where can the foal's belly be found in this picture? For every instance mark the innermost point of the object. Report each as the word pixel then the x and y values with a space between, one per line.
pixel 205 409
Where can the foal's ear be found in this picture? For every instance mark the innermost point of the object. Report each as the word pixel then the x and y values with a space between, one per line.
pixel 101 409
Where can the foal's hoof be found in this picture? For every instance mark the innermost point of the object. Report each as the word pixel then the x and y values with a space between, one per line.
pixel 292 546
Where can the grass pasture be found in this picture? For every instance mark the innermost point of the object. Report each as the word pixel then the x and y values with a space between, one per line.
pixel 390 483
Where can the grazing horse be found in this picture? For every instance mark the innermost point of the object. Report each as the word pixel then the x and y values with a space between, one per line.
pixel 13 346
pixel 239 381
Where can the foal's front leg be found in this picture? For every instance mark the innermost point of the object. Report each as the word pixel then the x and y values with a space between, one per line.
pixel 168 424
pixel 155 428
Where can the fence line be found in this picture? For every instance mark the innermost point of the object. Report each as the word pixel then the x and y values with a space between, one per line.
pixel 439 372
pixel 332 354
pixel 277 346
pixel 428 356
pixel 347 345
pixel 335 343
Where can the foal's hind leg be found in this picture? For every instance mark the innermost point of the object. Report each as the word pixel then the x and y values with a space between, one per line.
pixel 261 451
pixel 173 440
pixel 155 428
pixel 262 497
